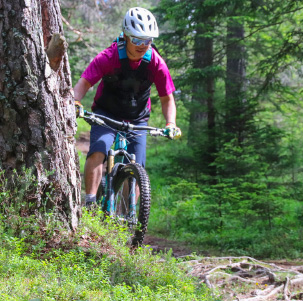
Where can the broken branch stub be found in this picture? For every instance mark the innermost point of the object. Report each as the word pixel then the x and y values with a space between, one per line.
pixel 55 50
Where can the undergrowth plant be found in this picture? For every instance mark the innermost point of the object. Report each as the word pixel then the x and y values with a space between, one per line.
pixel 252 214
pixel 41 259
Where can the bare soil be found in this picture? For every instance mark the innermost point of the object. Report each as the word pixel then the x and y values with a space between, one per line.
pixel 82 143
pixel 164 245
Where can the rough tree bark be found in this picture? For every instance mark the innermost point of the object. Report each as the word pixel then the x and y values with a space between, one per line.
pixel 37 119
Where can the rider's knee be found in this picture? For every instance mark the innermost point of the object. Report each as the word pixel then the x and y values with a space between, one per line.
pixel 97 157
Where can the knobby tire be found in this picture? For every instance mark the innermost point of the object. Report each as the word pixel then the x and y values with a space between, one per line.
pixel 134 170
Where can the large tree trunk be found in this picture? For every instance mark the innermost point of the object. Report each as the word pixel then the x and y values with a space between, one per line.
pixel 37 119
pixel 235 83
pixel 202 113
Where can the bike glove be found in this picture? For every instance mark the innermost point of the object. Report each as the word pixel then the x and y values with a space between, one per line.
pixel 79 109
pixel 173 131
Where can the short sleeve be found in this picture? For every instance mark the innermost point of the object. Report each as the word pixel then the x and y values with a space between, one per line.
pixel 102 64
pixel 162 78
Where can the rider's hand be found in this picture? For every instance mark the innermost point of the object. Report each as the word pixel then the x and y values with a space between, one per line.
pixel 79 109
pixel 173 131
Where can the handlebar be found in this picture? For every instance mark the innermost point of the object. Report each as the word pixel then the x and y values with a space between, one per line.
pixel 121 125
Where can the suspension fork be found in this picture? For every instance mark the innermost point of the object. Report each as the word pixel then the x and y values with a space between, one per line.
pixel 110 189
pixel 110 198
pixel 132 197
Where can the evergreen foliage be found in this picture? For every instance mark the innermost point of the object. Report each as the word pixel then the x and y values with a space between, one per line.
pixel 247 182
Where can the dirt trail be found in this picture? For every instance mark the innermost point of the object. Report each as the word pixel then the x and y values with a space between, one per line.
pixel 161 244
pixel 82 143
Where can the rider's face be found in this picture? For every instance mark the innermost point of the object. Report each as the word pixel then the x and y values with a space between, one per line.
pixel 135 53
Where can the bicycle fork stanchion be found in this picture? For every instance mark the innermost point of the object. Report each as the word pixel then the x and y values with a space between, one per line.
pixel 110 188
pixel 132 195
pixel 110 161
pixel 132 201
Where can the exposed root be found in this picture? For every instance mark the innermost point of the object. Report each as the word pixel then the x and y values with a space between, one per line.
pixel 247 279
pixel 285 290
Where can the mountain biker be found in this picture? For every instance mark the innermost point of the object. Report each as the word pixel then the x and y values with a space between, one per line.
pixel 127 69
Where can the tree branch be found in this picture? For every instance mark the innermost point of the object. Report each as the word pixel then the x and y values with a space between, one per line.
pixel 80 35
pixel 77 32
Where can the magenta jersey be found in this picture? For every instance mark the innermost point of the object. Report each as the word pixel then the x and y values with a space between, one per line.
pixel 107 61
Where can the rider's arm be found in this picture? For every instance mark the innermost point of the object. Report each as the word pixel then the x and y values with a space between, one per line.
pixel 81 88
pixel 169 108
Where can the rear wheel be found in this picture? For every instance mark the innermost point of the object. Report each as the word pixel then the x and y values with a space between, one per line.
pixel 137 218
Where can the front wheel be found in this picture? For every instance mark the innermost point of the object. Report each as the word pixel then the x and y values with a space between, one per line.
pixel 132 199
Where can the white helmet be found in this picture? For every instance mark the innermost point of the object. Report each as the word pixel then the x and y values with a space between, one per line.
pixel 141 23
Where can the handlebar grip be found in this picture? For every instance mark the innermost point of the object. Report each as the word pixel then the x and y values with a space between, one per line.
pixel 156 132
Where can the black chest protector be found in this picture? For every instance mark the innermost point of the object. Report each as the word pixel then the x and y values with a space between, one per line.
pixel 126 91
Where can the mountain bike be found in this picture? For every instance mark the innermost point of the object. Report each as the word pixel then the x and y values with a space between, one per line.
pixel 124 192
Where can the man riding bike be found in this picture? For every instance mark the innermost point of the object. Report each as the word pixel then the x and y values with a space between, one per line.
pixel 127 68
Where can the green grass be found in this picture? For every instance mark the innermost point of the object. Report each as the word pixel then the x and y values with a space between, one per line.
pixel 95 263
pixel 82 160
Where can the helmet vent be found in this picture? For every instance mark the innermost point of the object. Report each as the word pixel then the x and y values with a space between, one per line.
pixel 139 22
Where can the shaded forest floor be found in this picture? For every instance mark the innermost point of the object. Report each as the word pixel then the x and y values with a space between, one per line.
pixel 230 278
pixel 159 244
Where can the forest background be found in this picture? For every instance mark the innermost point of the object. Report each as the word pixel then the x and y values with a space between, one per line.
pixel 231 186
pixel 233 183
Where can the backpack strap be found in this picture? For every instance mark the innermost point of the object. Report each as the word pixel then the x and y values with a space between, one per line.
pixel 121 43
pixel 147 56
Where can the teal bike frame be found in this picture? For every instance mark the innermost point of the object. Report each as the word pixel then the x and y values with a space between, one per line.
pixel 117 157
